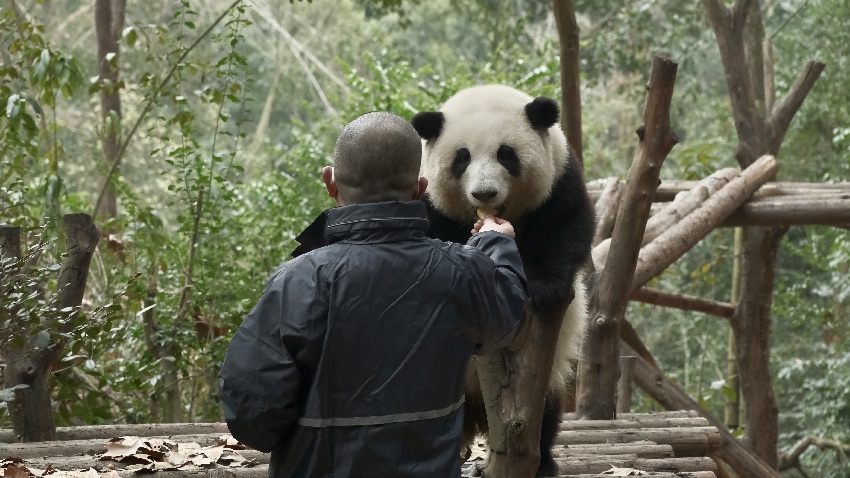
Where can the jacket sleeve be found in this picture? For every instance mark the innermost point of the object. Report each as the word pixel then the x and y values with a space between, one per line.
pixel 263 376
pixel 500 290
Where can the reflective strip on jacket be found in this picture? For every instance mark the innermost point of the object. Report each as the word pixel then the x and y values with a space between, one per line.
pixel 352 363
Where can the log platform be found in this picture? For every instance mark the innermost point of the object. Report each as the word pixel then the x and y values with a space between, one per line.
pixel 664 445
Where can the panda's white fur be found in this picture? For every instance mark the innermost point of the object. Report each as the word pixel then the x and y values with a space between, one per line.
pixel 473 112
pixel 480 119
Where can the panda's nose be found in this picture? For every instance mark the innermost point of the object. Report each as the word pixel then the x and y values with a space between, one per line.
pixel 485 195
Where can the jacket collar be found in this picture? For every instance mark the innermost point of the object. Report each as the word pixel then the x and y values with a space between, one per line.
pixel 383 221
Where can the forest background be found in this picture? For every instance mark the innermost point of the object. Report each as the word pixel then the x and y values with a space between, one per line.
pixel 224 139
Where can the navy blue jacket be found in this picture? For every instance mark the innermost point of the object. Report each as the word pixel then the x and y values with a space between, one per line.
pixel 352 364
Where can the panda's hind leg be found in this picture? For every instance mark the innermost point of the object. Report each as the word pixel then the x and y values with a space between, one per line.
pixel 548 432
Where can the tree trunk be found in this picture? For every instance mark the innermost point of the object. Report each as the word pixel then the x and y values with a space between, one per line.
pixel 568 39
pixel 109 21
pixel 515 416
pixel 738 29
pixel 751 326
pixel 29 367
pixel 598 370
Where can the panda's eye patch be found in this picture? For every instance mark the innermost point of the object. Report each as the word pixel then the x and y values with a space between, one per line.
pixel 508 158
pixel 461 161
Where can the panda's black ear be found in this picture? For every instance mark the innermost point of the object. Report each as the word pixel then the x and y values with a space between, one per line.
pixel 542 112
pixel 429 124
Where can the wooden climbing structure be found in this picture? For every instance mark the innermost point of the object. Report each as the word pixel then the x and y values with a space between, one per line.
pixel 666 445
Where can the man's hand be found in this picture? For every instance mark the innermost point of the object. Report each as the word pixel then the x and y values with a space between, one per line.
pixel 493 224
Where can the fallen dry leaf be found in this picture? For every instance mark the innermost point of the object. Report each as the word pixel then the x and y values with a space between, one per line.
pixel 87 473
pixel 615 471
pixel 228 441
pixel 15 471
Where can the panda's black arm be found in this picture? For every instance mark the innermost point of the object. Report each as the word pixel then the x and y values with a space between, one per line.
pixel 445 228
pixel 555 241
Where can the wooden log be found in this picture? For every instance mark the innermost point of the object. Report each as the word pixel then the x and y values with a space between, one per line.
pixel 624 384
pixel 85 447
pixel 701 438
pixel 642 422
pixel 680 238
pixel 591 464
pixel 824 210
pixel 259 471
pixel 79 462
pixel 599 369
pixel 669 188
pixel 641 449
pixel 649 295
pixel 675 413
pixel 671 397
pixel 92 432
pixel 653 474
pixel 673 212
pixel 606 210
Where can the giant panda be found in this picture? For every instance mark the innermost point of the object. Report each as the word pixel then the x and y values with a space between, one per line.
pixel 497 149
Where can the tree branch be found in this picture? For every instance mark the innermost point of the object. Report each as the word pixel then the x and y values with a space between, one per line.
pixel 728 29
pixel 791 458
pixel 649 295
pixel 780 117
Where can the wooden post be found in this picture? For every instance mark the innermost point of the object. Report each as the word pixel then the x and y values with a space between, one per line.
pixel 568 39
pixel 599 369
pixel 606 210
pixel 624 385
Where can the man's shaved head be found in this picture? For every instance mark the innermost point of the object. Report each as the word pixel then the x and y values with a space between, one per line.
pixel 377 158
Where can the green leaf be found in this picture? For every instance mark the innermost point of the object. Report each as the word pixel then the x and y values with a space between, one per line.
pixel 130 35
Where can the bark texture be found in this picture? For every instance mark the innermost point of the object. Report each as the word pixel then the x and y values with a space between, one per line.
pixel 29 366
pixel 518 407
pixel 109 21
pixel 568 39
pixel 598 371
pixel 738 29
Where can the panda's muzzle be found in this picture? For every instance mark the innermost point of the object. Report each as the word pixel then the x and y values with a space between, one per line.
pixel 485 195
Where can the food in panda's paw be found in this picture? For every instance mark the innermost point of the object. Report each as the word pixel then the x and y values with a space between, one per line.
pixel 484 213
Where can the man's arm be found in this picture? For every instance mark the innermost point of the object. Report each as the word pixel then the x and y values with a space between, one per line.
pixel 261 380
pixel 500 290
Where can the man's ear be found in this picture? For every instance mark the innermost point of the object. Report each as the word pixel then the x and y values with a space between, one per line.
pixel 330 182
pixel 421 186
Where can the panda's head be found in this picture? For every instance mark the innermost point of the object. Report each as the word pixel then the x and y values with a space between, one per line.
pixel 491 147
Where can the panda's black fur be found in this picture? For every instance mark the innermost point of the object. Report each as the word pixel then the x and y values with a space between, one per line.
pixel 554 241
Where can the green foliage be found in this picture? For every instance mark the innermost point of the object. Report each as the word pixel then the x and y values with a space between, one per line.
pixel 818 391
pixel 227 161
pixel 31 321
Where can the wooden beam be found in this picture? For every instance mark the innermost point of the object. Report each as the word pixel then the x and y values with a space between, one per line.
pixel 652 296
pixel 669 188
pixel 672 212
pixel 680 238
